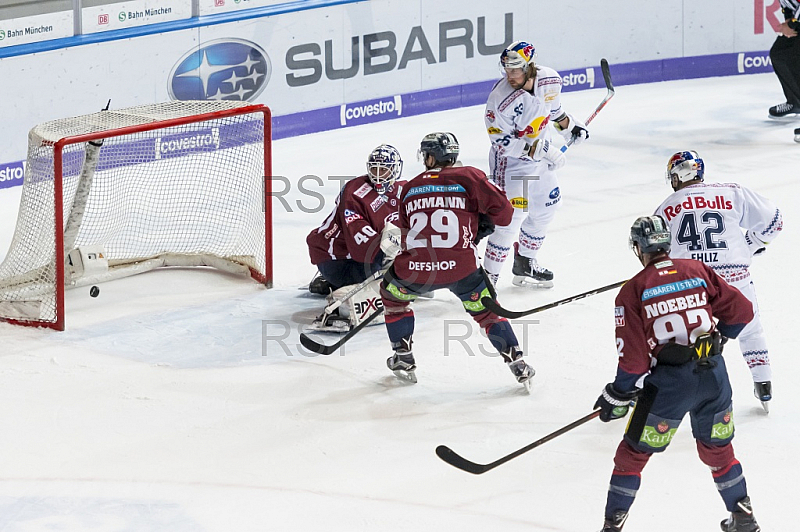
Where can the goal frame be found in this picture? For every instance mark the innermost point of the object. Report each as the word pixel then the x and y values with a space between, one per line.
pixel 60 289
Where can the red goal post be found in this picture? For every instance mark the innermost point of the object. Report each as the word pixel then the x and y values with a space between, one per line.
pixel 124 191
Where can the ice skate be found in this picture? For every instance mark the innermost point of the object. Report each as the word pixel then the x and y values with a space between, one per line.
pixel 529 274
pixel 797 135
pixel 783 110
pixel 521 370
pixel 403 366
pixel 331 323
pixel 741 520
pixel 763 392
pixel 402 362
pixel 614 524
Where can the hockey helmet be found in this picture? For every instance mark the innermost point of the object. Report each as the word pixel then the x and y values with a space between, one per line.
pixel 384 166
pixel 684 166
pixel 650 234
pixel 519 54
pixel 442 146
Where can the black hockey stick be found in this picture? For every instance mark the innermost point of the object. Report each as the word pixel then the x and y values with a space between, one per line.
pixel 495 307
pixel 610 94
pixel 456 460
pixel 322 349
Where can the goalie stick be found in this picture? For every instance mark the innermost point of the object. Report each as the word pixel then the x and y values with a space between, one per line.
pixel 458 461
pixel 610 94
pixel 495 307
pixel 322 349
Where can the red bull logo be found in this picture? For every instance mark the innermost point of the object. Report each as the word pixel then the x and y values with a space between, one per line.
pixel 697 202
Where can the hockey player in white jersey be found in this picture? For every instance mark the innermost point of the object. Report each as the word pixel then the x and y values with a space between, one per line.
pixel 524 158
pixel 707 222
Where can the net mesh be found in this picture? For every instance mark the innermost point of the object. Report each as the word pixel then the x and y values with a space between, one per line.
pixel 186 188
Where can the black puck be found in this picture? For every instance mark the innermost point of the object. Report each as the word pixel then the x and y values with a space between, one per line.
pixel 94 291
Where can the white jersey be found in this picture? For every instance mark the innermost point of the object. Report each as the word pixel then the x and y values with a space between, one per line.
pixel 706 222
pixel 515 117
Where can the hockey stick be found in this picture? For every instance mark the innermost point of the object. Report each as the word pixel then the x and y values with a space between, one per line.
pixel 356 289
pixel 323 349
pixel 495 307
pixel 456 460
pixel 610 94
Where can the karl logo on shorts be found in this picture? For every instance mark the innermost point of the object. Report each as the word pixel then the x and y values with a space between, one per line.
pixel 519 203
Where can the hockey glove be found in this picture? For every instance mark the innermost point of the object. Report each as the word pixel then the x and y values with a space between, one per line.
pixel 614 404
pixel 544 150
pixel 755 244
pixel 390 242
pixel 575 130
pixel 485 228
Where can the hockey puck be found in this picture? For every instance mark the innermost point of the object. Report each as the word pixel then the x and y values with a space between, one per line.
pixel 94 291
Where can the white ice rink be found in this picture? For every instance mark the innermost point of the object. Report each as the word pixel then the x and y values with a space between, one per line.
pixel 156 411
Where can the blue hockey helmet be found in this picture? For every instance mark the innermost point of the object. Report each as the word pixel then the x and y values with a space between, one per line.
pixel 384 166
pixel 650 234
pixel 684 166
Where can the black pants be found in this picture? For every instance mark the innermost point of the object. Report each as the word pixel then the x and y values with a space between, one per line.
pixel 785 56
pixel 347 271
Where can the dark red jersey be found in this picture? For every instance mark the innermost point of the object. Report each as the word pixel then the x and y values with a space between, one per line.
pixel 353 229
pixel 439 220
pixel 673 300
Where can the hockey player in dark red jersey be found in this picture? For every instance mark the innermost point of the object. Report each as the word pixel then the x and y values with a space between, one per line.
pixel 346 247
pixel 669 357
pixel 444 212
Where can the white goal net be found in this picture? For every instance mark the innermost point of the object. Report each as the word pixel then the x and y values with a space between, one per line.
pixel 124 191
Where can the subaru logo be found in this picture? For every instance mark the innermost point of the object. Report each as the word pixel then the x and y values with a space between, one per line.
pixel 554 193
pixel 222 69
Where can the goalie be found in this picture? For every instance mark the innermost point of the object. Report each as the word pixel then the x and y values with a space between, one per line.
pixel 354 242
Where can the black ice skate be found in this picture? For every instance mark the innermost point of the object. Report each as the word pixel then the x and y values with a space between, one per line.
pixel 763 392
pixel 521 370
pixel 797 135
pixel 402 362
pixel 614 524
pixel 528 273
pixel 783 110
pixel 331 323
pixel 741 520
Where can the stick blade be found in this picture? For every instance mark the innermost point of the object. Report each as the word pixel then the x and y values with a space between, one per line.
pixel 315 347
pixel 454 459
pixel 606 74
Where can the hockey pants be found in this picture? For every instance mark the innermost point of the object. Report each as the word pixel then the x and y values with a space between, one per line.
pixel 533 191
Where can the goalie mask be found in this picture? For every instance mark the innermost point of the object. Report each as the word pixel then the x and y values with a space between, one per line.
pixel 442 146
pixel 684 166
pixel 519 57
pixel 650 234
pixel 384 166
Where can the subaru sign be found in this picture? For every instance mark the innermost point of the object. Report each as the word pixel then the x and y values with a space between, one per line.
pixel 222 69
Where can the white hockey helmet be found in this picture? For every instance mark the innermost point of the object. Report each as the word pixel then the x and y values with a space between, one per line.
pixel 519 54
pixel 384 166
pixel 684 166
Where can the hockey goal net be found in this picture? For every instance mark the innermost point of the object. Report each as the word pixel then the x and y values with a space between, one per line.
pixel 124 191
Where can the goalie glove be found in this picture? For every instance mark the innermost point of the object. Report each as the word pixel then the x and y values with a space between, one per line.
pixel 575 130
pixel 390 242
pixel 614 404
pixel 755 244
pixel 544 150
